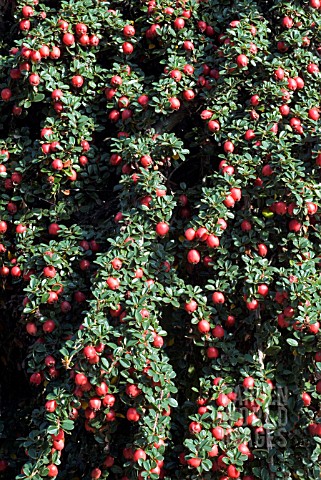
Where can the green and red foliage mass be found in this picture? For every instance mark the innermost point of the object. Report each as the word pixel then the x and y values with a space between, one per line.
pixel 160 240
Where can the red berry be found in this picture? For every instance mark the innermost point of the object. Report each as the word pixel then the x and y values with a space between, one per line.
pixel 94 403
pixel 228 147
pixel 127 48
pixel 31 328
pixel 34 79
pixel 229 201
pixel 188 45
pixel 6 94
pixel 68 39
pixel 218 433
pixel 15 271
pixel 53 229
pixel 146 161
pixel 263 289
pixel 63 25
pixel 52 470
pixel 194 462
pixel 53 297
pixel 195 427
pixel 95 473
pixel 213 126
pixel 77 81
pixel 81 29
pixel 312 68
pixel 314 114
pixel 55 53
pixel 252 304
pixel 191 306
pixel 162 229
pixel 51 406
pixel 24 25
pixel 143 100
pixel 213 241
pixel 203 326
pixel 222 400
pixel 174 103
pixel 242 61
pixel 248 382
pixel 287 22
pixel 218 298
pixel 246 226
pixel 190 234
pixel 139 453
pixel 201 234
pixel 193 257
pixel 236 193
pixel 232 472
pixel 249 135
pixel 189 95
pixel 218 331
pixel 255 100
pixel 179 23
pixel 176 75
pixel 35 56
pixel 116 81
pixel 294 226
pixel 267 171
pixel 292 85
pixel 57 164
pixel 27 11
pixel 129 31
pixel 212 352
pixel 109 461
pixel 113 283
pixel 279 74
pixel 49 272
pixel 3 227
pixel 158 341
pixel 306 399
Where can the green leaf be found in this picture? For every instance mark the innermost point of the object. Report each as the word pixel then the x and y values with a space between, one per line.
pixel 67 425
pixel 38 97
pixel 292 342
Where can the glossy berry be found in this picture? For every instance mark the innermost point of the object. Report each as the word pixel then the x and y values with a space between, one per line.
pixel 162 229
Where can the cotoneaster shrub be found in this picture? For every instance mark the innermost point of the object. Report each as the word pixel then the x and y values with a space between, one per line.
pixel 160 240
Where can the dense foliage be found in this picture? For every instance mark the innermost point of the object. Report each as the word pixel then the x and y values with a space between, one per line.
pixel 160 239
